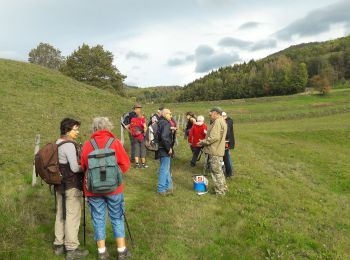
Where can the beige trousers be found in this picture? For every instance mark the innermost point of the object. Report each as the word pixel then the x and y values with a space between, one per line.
pixel 66 231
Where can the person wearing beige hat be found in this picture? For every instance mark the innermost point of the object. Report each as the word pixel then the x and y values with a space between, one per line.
pixel 214 149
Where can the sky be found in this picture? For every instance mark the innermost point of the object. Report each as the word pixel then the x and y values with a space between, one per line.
pixel 160 42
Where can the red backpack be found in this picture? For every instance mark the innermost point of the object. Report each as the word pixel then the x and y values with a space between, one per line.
pixel 136 127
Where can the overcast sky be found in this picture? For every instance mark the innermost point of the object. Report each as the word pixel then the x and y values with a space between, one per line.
pixel 160 42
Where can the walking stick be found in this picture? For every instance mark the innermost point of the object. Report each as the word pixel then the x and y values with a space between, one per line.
pixel 84 225
pixel 127 226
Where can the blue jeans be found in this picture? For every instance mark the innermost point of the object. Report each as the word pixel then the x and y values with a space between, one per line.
pixel 164 178
pixel 228 164
pixel 97 208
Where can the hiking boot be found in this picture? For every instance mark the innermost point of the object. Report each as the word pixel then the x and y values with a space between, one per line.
pixel 123 255
pixel 169 193
pixel 229 177
pixel 58 249
pixel 145 166
pixel 103 256
pixel 76 254
pixel 163 194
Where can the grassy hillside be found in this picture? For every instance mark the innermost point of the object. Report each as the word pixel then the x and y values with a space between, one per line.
pixel 289 199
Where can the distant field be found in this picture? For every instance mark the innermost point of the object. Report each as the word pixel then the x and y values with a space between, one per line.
pixel 290 198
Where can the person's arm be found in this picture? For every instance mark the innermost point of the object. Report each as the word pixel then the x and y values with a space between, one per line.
pixel 121 155
pixel 165 136
pixel 190 136
pixel 84 156
pixel 214 135
pixel 144 125
pixel 71 154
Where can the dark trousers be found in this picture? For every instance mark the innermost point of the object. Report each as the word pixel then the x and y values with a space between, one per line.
pixel 195 154
pixel 132 147
pixel 228 164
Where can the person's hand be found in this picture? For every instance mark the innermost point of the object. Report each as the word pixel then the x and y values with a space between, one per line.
pixel 200 143
pixel 170 151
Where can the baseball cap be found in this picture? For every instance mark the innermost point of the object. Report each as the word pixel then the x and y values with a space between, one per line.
pixel 217 110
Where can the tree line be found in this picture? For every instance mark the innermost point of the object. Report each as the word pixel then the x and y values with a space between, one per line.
pixel 316 65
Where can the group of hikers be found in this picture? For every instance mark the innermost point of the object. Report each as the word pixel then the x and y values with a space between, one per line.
pixel 95 170
pixel 214 141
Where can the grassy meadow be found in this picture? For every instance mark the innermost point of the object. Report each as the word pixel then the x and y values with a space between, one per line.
pixel 289 199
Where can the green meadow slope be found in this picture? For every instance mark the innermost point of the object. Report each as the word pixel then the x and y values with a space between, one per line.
pixel 290 198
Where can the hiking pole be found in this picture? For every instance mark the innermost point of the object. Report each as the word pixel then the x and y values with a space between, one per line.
pixel 84 225
pixel 127 226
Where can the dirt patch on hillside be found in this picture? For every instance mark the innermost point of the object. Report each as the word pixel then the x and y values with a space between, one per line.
pixel 322 104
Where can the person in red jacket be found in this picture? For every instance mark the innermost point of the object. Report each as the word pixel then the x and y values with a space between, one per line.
pixel 197 133
pixel 138 128
pixel 114 201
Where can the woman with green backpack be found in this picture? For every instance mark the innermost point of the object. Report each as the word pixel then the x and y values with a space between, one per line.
pixel 103 161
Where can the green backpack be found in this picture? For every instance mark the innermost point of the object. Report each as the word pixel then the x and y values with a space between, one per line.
pixel 104 174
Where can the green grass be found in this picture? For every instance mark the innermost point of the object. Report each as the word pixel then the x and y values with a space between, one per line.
pixel 290 198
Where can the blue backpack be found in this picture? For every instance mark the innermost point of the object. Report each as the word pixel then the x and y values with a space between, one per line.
pixel 104 174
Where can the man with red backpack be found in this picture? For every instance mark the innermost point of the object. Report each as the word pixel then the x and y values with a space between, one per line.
pixel 197 133
pixel 138 129
pixel 137 109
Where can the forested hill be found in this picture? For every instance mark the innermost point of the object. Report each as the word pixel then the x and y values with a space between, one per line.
pixel 320 65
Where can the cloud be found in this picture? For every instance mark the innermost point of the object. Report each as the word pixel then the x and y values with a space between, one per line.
pixel 317 21
pixel 247 45
pixel 264 44
pixel 136 55
pixel 176 62
pixel 217 60
pixel 215 3
pixel 207 59
pixel 234 42
pixel 204 50
pixel 173 62
pixel 249 25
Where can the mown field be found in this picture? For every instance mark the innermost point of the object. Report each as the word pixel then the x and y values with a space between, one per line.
pixel 289 199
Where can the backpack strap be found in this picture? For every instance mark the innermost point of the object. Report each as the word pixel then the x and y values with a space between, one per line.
pixel 66 142
pixel 94 144
pixel 109 143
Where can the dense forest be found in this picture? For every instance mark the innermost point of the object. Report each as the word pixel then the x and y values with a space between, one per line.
pixel 160 94
pixel 316 65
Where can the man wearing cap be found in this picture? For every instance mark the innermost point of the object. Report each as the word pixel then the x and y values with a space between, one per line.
pixel 230 145
pixel 126 124
pixel 214 148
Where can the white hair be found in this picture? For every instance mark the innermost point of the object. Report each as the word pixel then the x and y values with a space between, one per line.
pixel 200 119
pixel 165 111
pixel 101 123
